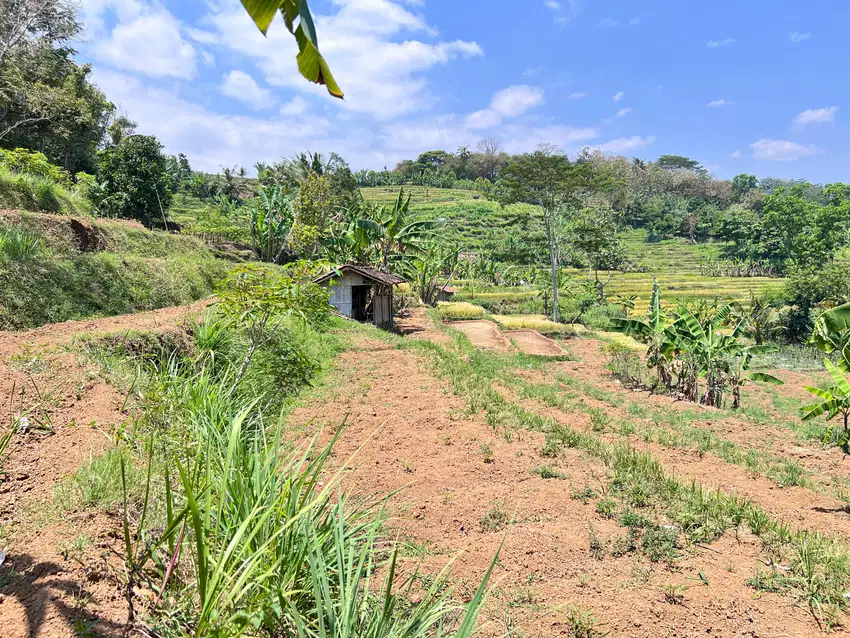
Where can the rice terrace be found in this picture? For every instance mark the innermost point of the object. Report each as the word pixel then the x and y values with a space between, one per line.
pixel 377 320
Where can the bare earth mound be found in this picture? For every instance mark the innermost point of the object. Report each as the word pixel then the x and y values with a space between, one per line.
pixel 483 334
pixel 532 342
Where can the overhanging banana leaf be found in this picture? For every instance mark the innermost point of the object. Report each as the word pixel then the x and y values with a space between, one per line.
pixel 311 64
pixel 764 377
pixel 841 383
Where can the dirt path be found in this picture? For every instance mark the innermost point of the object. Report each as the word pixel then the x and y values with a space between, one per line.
pixel 483 334
pixel 532 342
pixel 56 578
pixel 463 488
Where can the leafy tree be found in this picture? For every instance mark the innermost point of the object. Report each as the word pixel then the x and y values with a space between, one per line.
pixel 593 236
pixel 679 162
pixel 546 178
pixel 135 180
pixel 120 127
pixel 743 184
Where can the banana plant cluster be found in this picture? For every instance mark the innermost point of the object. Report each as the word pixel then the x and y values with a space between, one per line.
pixel 381 236
pixel 696 354
pixel 271 220
pixel 831 335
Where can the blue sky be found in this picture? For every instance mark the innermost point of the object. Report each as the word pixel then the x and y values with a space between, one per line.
pixel 754 86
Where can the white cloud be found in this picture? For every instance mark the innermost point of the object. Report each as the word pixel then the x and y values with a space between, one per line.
pixel 148 43
pixel 510 102
pixel 297 106
pixel 781 150
pixel 552 4
pixel 624 112
pixel 796 37
pixel 533 72
pixel 520 139
pixel 612 23
pixel 515 100
pixel 241 86
pixel 718 103
pixel 737 154
pixel 619 96
pixel 578 95
pixel 485 118
pixel 626 144
pixel 816 116
pixel 716 44
pixel 369 47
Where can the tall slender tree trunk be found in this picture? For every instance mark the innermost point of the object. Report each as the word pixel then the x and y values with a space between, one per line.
pixel 553 258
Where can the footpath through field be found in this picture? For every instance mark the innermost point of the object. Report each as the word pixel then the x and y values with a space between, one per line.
pixel 464 487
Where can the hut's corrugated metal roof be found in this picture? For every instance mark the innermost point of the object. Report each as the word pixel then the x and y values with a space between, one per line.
pixel 377 276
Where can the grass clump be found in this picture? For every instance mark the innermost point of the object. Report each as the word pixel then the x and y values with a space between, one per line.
pixel 459 310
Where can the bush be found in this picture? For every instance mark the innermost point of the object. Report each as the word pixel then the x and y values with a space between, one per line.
pixel 626 364
pixel 599 317
pixel 33 163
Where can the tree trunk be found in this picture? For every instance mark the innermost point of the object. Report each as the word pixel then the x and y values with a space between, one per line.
pixel 553 260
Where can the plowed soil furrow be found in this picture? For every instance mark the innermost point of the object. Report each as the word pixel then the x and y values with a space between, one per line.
pixel 422 442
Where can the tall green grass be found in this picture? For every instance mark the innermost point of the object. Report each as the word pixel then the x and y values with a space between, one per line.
pixel 46 278
pixel 237 528
pixel 39 194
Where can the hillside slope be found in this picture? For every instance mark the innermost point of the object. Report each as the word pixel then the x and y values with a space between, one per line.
pixel 55 268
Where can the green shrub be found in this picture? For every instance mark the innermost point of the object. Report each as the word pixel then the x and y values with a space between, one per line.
pixel 21 160
pixel 599 317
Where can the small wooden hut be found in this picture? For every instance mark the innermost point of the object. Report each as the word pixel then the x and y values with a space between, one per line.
pixel 362 293
pixel 445 293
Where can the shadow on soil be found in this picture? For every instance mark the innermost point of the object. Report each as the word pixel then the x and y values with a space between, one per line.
pixel 43 593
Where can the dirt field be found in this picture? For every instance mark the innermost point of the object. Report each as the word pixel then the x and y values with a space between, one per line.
pixel 463 488
pixel 45 590
pixel 453 471
pixel 483 334
pixel 532 342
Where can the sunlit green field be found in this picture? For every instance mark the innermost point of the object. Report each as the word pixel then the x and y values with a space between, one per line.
pixel 675 263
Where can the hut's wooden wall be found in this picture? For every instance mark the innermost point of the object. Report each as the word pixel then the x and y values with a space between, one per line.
pixel 340 292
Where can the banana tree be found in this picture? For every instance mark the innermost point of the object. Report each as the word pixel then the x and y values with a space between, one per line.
pixel 395 234
pixel 271 221
pixel 835 400
pixel 704 352
pixel 738 376
pixel 832 334
pixel 654 333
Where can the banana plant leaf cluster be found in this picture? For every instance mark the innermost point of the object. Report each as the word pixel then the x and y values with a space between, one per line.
pixel 299 21
pixel 831 335
pixel 695 353
pixel 383 236
pixel 271 221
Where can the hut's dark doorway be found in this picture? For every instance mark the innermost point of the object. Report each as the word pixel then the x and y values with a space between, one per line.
pixel 361 297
